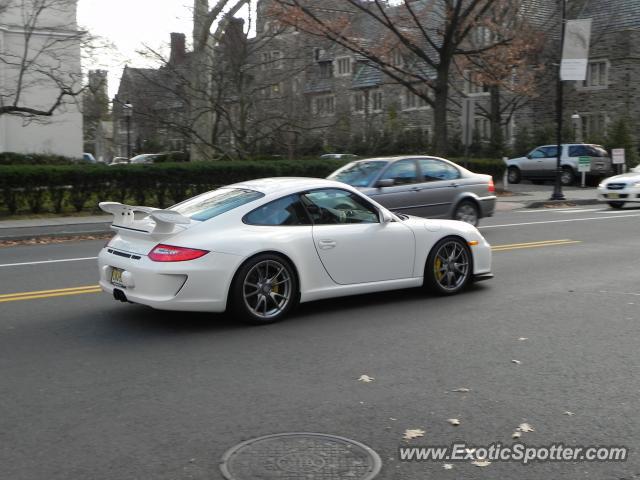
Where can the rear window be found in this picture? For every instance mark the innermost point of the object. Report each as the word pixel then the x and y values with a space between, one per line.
pixel 214 203
pixel 358 174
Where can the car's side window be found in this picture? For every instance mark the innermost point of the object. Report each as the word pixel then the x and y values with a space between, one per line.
pixel 539 153
pixel 579 151
pixel 335 206
pixel 550 152
pixel 434 170
pixel 402 173
pixel 286 211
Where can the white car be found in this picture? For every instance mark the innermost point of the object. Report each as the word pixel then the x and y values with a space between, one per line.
pixel 620 189
pixel 260 247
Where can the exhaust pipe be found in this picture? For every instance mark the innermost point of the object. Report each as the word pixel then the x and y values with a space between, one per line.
pixel 119 295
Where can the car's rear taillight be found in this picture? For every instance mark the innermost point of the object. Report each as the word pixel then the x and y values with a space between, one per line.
pixel 492 186
pixel 169 253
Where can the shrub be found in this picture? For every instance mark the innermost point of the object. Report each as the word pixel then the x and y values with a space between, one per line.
pixel 11 158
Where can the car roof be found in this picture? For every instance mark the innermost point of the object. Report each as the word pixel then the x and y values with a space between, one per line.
pixel 285 185
pixel 400 157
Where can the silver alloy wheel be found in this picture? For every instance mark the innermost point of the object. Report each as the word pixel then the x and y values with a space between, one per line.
pixel 451 265
pixel 466 212
pixel 566 177
pixel 513 176
pixel 267 289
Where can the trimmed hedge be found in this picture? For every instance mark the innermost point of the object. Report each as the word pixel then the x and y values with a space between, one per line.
pixel 59 188
pixel 12 158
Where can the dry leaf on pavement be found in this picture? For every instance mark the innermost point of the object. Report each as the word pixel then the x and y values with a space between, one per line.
pixel 413 433
pixel 447 466
pixel 525 427
pixel 569 413
pixel 462 390
pixel 517 362
pixel 366 379
pixel 516 435
pixel 454 421
pixel 522 339
pixel 481 463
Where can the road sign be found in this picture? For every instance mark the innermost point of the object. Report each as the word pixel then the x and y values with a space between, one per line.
pixel 617 156
pixel 584 164
pixel 468 114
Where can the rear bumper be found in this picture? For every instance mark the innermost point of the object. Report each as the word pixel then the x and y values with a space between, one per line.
pixel 201 285
pixel 487 206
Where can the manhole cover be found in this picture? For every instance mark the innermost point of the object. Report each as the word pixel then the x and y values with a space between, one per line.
pixel 305 456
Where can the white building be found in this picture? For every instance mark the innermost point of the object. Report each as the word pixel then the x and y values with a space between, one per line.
pixel 39 60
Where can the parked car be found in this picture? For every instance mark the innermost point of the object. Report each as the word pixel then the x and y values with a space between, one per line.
pixel 88 158
pixel 424 186
pixel 621 189
pixel 262 246
pixel 339 156
pixel 145 159
pixel 541 163
pixel 119 161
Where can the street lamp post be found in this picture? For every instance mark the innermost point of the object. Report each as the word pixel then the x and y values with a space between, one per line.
pixel 128 113
pixel 557 189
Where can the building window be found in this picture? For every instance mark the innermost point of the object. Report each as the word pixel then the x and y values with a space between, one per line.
pixel 324 105
pixel 411 101
pixel 594 126
pixel 326 70
pixel 271 60
pixel 473 84
pixel 397 59
pixel 482 128
pixel 358 102
pixel 343 66
pixel 377 100
pixel 481 37
pixel 597 74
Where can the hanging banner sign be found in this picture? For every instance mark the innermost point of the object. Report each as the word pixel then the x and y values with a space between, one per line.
pixel 575 51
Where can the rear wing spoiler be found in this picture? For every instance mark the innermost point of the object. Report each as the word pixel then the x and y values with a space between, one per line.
pixel 129 217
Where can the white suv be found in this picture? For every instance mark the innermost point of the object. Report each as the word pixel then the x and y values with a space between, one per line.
pixel 540 164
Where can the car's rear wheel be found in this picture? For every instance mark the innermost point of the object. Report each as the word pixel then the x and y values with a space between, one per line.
pixel 449 266
pixel 616 204
pixel 567 176
pixel 467 211
pixel 513 175
pixel 264 289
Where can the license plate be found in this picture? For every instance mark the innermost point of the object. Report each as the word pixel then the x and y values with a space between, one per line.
pixel 613 195
pixel 116 277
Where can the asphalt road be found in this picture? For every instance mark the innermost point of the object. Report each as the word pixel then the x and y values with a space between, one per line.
pixel 94 389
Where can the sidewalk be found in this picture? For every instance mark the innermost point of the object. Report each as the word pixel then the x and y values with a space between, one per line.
pixel 523 195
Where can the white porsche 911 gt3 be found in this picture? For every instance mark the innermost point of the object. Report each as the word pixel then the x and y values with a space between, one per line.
pixel 260 247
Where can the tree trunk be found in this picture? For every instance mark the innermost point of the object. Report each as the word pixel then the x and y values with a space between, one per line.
pixel 495 120
pixel 441 92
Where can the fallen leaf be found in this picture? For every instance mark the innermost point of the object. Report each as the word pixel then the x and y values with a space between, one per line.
pixel 411 434
pixel 569 413
pixel 525 427
pixel 447 466
pixel 481 463
pixel 522 339
pixel 366 379
pixel 462 390
pixel 517 362
pixel 394 419
pixel 454 421
pixel 516 435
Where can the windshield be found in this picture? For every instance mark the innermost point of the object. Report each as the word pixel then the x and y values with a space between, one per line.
pixel 358 174
pixel 214 203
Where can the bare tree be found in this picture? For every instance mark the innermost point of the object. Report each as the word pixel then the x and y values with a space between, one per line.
pixel 41 60
pixel 427 34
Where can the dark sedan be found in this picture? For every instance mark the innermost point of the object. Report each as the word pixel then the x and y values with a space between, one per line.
pixel 429 187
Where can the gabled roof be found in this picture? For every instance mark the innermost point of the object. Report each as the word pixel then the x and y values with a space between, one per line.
pixel 613 15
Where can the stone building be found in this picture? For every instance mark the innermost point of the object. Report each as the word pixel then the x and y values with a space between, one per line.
pixel 95 110
pixel 40 46
pixel 160 105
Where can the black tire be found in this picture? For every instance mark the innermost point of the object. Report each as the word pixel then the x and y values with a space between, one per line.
pixel 437 274
pixel 267 276
pixel 514 175
pixel 616 205
pixel 567 177
pixel 467 211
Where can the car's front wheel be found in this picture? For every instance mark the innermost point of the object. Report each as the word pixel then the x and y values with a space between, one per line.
pixel 449 266
pixel 467 211
pixel 616 204
pixel 264 289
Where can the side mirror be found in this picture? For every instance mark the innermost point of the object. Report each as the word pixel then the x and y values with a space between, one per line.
pixel 387 182
pixel 385 216
pixel 529 156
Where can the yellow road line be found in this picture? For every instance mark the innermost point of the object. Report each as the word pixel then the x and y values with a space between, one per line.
pixel 49 294
pixel 86 287
pixel 519 246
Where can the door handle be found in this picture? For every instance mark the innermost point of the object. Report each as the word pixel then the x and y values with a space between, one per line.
pixel 416 189
pixel 326 244
pixel 454 184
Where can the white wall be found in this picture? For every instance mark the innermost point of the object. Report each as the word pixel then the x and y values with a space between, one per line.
pixel 57 46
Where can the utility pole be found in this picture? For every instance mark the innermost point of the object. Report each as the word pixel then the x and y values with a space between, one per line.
pixel 557 189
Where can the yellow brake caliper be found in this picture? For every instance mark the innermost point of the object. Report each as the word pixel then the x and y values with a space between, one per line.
pixel 437 269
